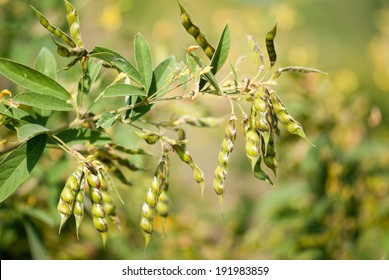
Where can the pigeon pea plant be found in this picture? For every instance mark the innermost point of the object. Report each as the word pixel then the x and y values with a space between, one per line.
pixel 143 88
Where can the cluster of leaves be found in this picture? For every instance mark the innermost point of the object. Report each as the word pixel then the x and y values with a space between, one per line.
pixel 142 86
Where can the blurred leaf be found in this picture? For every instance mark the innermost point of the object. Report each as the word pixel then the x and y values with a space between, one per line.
pixel 271 51
pixel 29 130
pixel 222 50
pixel 107 120
pixel 256 53
pixel 144 60
pixel 16 167
pixel 46 63
pixel 209 75
pixel 119 62
pixel 32 79
pixel 43 101
pixel 76 136
pixel 123 90
pixel 295 69
pixel 39 214
pixel 37 247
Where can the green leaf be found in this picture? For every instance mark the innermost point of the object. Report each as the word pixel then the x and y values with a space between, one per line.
pixel 161 74
pixel 119 62
pixel 123 90
pixel 222 50
pixel 271 51
pixel 209 77
pixel 35 240
pixel 16 167
pixel 32 79
pixel 43 101
pixel 143 60
pixel 17 114
pixel 107 120
pixel 38 214
pixel 79 136
pixel 29 130
pixel 46 63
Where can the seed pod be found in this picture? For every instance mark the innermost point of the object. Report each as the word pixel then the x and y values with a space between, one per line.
pixel 78 209
pixel 186 157
pixel 252 141
pixel 163 200
pixel 223 158
pixel 74 24
pixel 108 205
pixel 271 51
pixel 259 173
pixel 195 31
pixel 270 158
pixel 149 137
pixel 258 117
pixel 151 200
pixel 54 30
pixel 285 118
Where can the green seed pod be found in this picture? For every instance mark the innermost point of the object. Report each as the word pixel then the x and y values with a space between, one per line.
pixel 187 158
pixel 150 137
pixel 100 224
pixel 147 228
pixel 270 158
pixel 64 210
pixel 74 24
pixel 54 30
pixel 259 115
pixel 93 181
pixel 224 155
pixel 195 31
pixel 67 195
pixel 286 118
pixel 73 183
pixel 151 198
pixel 78 209
pixel 148 211
pixel 259 173
pixel 95 195
pixel 271 51
pixel 98 210
pixel 163 205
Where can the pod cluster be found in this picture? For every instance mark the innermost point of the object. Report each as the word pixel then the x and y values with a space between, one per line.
pixel 224 156
pixel 87 181
pixel 152 198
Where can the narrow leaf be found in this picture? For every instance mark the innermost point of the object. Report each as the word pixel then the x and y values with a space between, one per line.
pixel 42 101
pixel 119 62
pixel 35 240
pixel 271 51
pixel 143 60
pixel 16 167
pixel 32 79
pixel 161 74
pixel 17 114
pixel 123 90
pixel 29 130
pixel 46 63
pixel 222 50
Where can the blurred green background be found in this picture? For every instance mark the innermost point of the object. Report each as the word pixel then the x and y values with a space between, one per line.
pixel 331 201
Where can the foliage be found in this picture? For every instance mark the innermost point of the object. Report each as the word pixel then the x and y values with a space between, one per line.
pixel 114 92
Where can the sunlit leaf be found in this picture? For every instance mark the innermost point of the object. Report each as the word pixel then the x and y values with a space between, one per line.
pixel 46 63
pixel 32 79
pixel 43 101
pixel 123 90
pixel 16 167
pixel 143 60
pixel 29 130
pixel 222 50
pixel 107 120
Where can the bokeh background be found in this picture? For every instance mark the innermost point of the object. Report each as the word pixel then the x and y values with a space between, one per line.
pixel 331 201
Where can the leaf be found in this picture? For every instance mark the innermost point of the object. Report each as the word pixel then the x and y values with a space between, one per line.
pixel 38 214
pixel 295 69
pixel 42 101
pixel 29 130
pixel 271 51
pixel 256 53
pixel 222 50
pixel 32 79
pixel 107 120
pixel 17 114
pixel 209 75
pixel 77 136
pixel 160 76
pixel 35 240
pixel 143 60
pixel 16 167
pixel 119 62
pixel 123 90
pixel 46 63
